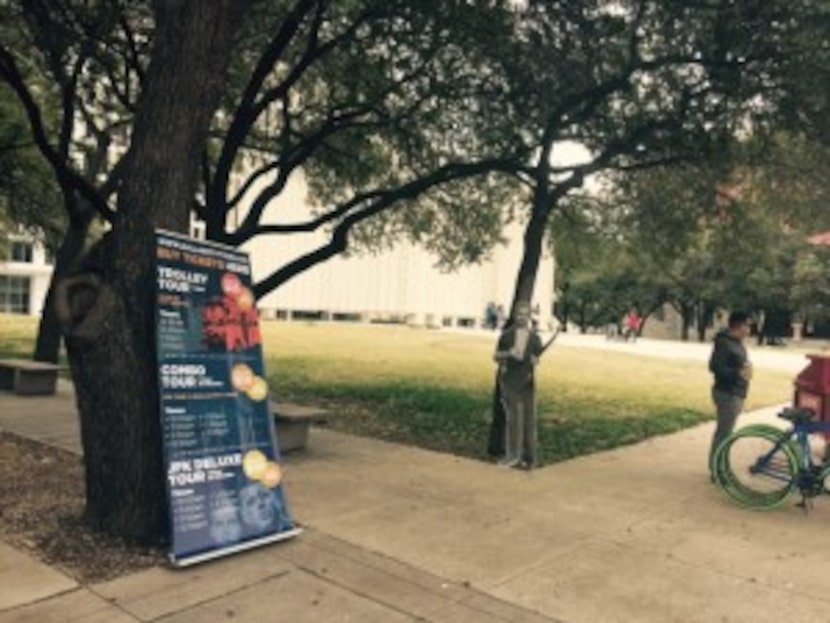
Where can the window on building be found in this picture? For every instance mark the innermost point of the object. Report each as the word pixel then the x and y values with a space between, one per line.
pixel 21 252
pixel 14 295
pixel 198 230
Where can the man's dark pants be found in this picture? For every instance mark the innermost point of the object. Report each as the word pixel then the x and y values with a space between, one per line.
pixel 729 407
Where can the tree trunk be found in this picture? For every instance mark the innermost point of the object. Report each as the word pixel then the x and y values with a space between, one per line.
pixel 701 333
pixel 761 327
pixel 564 311
pixel 49 336
pixel 107 308
pixel 498 422
pixel 647 316
pixel 705 316
pixel 686 314
pixel 700 321
pixel 534 238
pixel 525 281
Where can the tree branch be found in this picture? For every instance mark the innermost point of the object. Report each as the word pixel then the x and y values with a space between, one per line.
pixel 68 179
pixel 252 179
pixel 243 119
pixel 379 201
pixel 132 49
pixel 68 105
pixel 293 160
pixel 314 51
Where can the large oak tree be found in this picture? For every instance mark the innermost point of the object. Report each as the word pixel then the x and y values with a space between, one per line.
pixel 106 305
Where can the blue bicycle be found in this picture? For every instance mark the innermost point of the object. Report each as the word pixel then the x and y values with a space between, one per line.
pixel 759 465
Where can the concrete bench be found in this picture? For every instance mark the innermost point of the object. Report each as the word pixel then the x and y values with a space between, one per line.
pixel 28 378
pixel 293 422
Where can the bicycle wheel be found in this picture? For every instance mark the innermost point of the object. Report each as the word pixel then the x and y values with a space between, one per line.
pixel 755 466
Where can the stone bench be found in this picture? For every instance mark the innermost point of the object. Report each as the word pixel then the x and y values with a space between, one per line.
pixel 293 422
pixel 28 378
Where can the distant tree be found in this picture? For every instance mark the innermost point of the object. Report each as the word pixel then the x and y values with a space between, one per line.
pixel 730 236
pixel 598 276
pixel 810 294
pixel 671 223
pixel 684 130
pixel 29 197
pixel 638 85
pixel 805 74
pixel 783 203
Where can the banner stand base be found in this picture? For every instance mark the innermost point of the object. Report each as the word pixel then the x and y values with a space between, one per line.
pixel 188 561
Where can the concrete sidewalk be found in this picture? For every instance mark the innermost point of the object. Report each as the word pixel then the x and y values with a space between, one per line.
pixel 401 534
pixel 773 358
pixel 315 577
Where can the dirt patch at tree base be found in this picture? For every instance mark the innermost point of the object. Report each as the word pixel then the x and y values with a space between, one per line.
pixel 42 513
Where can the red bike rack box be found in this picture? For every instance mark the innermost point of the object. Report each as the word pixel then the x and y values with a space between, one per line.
pixel 812 387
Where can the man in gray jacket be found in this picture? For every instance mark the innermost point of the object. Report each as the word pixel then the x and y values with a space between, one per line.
pixel 732 370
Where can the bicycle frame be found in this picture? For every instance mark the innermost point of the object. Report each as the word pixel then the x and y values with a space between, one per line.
pixel 801 431
pixel 785 467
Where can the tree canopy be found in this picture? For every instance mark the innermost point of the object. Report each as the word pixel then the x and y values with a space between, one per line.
pixel 732 234
pixel 29 197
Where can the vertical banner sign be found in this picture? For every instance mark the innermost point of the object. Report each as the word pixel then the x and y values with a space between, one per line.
pixel 222 463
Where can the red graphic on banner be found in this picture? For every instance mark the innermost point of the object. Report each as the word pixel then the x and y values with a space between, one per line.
pixel 232 322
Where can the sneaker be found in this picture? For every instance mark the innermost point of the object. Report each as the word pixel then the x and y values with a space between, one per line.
pixel 506 462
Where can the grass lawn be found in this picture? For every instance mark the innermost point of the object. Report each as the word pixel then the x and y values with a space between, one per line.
pixel 433 389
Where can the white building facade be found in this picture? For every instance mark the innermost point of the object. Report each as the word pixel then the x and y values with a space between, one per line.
pixel 25 272
pixel 400 285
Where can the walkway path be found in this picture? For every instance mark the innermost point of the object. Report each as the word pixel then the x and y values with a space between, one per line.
pixel 779 359
pixel 316 577
pixel 771 358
